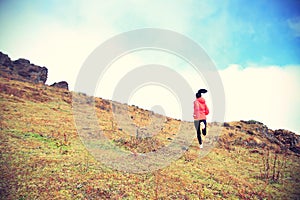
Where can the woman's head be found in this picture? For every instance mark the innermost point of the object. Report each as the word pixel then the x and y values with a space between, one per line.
pixel 198 94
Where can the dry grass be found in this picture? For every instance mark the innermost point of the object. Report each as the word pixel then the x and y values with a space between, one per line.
pixel 42 157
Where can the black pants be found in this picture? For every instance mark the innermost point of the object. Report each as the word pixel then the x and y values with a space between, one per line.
pixel 197 126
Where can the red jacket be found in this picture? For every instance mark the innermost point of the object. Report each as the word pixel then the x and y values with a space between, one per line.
pixel 200 109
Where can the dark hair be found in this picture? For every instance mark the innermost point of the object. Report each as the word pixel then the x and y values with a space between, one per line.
pixel 198 95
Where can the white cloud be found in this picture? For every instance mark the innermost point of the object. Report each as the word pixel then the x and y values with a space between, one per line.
pixel 63 50
pixel 63 38
pixel 157 96
pixel 151 94
pixel 268 94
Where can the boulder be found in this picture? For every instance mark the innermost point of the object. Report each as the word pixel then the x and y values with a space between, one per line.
pixel 61 84
pixel 4 60
pixel 286 137
pixel 22 70
pixel 226 124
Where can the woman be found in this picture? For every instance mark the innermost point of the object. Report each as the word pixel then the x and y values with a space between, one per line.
pixel 200 112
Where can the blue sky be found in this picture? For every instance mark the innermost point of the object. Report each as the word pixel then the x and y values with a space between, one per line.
pixel 264 34
pixel 244 32
pixel 258 40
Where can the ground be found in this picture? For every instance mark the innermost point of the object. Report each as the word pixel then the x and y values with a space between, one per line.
pixel 43 157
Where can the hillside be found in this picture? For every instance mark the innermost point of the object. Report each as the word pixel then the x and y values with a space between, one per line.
pixel 43 156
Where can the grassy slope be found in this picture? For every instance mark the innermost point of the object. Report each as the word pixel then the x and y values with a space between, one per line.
pixel 42 157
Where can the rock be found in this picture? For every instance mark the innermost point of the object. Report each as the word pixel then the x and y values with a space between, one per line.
pixel 256 151
pixel 295 149
pixel 226 124
pixel 251 122
pixel 61 84
pixel 21 62
pixel 4 60
pixel 284 138
pixel 30 72
pixel 288 139
pixel 22 70
pixel 239 127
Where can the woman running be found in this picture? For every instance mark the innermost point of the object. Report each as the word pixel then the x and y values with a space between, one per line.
pixel 200 112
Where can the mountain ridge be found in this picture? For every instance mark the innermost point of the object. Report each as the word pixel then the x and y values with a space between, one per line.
pixel 23 70
pixel 281 137
pixel 42 155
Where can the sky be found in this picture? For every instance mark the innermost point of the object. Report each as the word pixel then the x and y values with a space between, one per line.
pixel 255 46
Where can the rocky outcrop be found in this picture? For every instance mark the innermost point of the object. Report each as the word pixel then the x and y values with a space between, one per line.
pixel 61 84
pixel 288 139
pixel 22 70
pixel 4 60
pixel 256 130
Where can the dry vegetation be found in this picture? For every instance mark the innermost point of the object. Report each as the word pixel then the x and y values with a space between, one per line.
pixel 42 156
